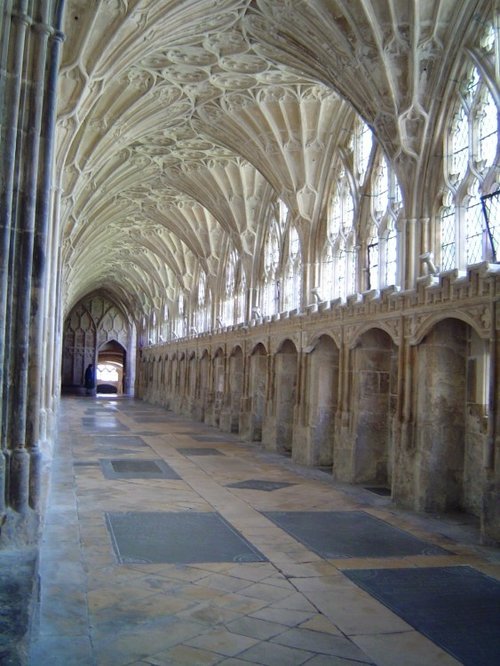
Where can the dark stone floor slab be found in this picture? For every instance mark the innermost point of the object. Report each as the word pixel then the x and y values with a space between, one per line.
pixel 260 484
pixel 456 607
pixel 137 469
pixel 177 538
pixel 337 534
pixel 383 492
pixel 206 451
pixel 120 440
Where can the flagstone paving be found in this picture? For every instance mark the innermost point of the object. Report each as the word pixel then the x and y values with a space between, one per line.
pixel 275 602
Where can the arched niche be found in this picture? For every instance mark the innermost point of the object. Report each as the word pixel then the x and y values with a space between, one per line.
pixel 374 396
pixel 452 384
pixel 218 384
pixel 235 387
pixel 285 382
pixel 203 384
pixel 191 376
pixel 174 373
pixel 257 390
pixel 181 385
pixel 321 398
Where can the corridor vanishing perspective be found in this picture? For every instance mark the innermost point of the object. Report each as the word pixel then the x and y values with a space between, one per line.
pixel 249 332
pixel 168 542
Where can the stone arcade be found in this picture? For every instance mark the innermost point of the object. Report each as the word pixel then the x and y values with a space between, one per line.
pixel 277 217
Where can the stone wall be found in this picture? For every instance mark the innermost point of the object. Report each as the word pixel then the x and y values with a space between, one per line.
pixel 391 389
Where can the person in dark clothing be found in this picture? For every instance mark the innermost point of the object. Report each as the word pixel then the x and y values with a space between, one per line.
pixel 89 378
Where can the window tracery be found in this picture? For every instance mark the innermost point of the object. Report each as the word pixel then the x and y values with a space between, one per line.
pixel 383 240
pixel 180 324
pixel 203 307
pixel 364 207
pixel 271 283
pixel 339 255
pixel 361 146
pixel 292 283
pixel 471 149
pixel 228 309
pixel 234 294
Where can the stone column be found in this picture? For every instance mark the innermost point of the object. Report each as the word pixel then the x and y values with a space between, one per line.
pixel 40 276
pixel 409 246
pixel 490 515
pixel 343 451
pixel 55 311
pixel 404 471
pixel 12 40
pixel 14 29
pixel 28 195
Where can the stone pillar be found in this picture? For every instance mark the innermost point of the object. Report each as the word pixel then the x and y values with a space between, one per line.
pixel 403 486
pixel 343 446
pixel 14 28
pixel 41 248
pixel 490 515
pixel 409 257
pixel 25 323
pixel 27 118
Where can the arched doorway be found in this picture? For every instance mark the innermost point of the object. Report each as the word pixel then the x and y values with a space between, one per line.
pixel 111 368
pixel 79 342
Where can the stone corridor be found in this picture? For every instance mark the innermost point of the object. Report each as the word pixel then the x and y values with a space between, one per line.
pixel 168 542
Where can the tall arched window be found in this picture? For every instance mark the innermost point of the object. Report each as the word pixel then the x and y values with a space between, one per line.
pixel 180 323
pixel 292 278
pixel 338 266
pixel 382 237
pixel 228 313
pixel 203 305
pixel 364 208
pixel 271 284
pixel 164 327
pixel 153 328
pixel 471 150
pixel 361 146
pixel 240 299
pixel 282 215
pixel 234 295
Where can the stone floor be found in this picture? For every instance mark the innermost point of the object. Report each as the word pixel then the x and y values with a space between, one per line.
pixel 167 542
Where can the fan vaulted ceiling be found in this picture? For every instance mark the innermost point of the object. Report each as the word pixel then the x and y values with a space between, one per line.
pixel 179 120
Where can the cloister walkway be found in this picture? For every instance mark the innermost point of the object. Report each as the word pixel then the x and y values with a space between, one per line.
pixel 169 542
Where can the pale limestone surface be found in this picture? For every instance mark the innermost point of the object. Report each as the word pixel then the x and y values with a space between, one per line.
pixel 295 608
